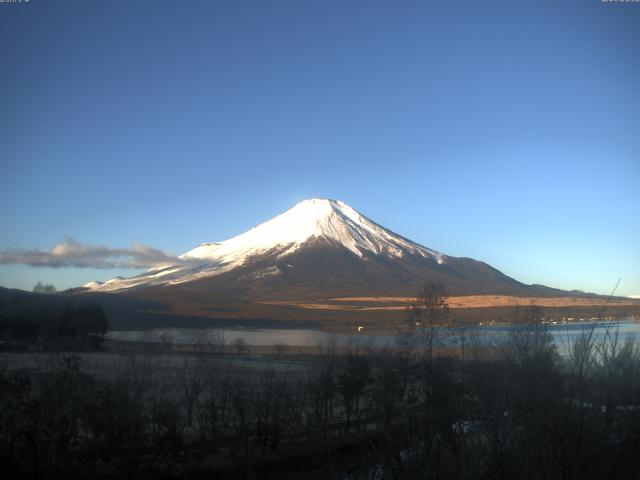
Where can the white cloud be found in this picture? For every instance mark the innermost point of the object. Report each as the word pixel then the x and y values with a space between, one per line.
pixel 71 253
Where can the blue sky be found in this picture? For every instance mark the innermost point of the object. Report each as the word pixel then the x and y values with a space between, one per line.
pixel 504 131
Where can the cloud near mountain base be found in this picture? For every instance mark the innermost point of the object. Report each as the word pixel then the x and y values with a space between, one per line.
pixel 71 253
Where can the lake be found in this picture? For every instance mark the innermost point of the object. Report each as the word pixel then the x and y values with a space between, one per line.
pixel 563 333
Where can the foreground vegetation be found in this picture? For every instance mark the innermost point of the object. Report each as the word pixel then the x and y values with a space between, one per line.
pixel 519 409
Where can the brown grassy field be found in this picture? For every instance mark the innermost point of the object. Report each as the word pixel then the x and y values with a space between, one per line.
pixel 458 302
pixel 380 309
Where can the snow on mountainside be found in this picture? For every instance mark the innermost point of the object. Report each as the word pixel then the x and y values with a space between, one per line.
pixel 316 219
pixel 329 219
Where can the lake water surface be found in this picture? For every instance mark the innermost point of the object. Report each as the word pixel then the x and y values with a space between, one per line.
pixel 563 333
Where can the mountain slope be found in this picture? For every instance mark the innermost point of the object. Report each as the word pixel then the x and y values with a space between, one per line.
pixel 302 264
pixel 306 223
pixel 319 246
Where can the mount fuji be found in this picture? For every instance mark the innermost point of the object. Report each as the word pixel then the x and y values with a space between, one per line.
pixel 314 254
pixel 325 229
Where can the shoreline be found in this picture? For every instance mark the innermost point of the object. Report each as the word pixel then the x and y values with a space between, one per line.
pixel 367 329
pixel 344 340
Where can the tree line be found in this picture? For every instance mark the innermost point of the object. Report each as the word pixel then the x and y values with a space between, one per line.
pixel 44 322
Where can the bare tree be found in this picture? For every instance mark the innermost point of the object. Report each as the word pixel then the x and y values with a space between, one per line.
pixel 192 387
pixel 218 341
pixel 352 381
pixel 44 288
pixel 215 409
pixel 428 312
pixel 240 345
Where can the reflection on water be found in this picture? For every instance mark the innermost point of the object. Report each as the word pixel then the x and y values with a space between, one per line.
pixel 563 334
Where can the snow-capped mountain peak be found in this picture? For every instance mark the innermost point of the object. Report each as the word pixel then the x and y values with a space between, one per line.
pixel 330 220
pixel 311 220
